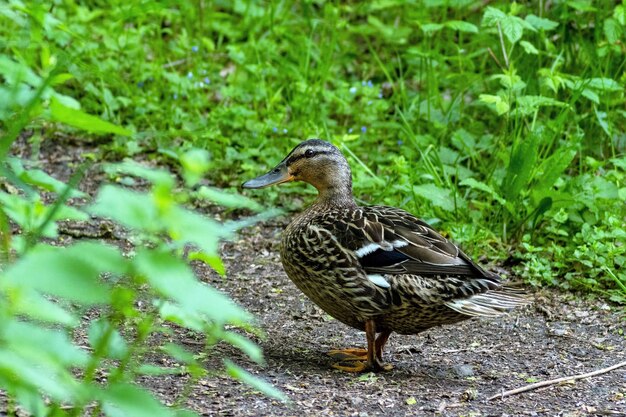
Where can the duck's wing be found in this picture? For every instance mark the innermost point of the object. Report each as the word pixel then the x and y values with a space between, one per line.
pixel 392 241
pixel 394 247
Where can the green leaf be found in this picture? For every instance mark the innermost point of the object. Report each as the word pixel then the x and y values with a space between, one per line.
pixel 581 5
pixel 499 105
pixel 126 400
pixel 130 167
pixel 612 30
pixel 187 226
pixel 439 197
pixel 129 208
pixel 179 353
pixel 40 179
pixel 591 95
pixel 226 199
pixel 195 163
pixel 154 370
pixel 526 105
pixel 513 28
pixel 492 16
pixel 30 214
pixel 430 28
pixel 541 23
pixel 29 374
pixel 77 118
pixel 461 26
pixel 31 401
pixel 529 48
pixel 39 359
pixel 30 303
pixel 521 164
pixel 214 261
pixel 477 185
pixel 464 141
pixel 41 344
pixel 603 188
pixel 249 379
pixel 104 338
pixel 72 272
pixel 511 81
pixel 603 84
pixel 619 15
pixel 174 313
pixel 16 72
pixel 552 168
pixel 173 279
pixel 246 345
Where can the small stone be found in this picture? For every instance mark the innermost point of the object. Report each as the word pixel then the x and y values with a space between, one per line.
pixel 463 371
pixel 356 401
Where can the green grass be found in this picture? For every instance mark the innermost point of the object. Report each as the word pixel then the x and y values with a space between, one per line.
pixel 503 124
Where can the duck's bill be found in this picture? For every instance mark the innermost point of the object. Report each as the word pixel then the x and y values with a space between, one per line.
pixel 278 175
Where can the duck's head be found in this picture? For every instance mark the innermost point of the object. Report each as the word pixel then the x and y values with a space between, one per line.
pixel 315 161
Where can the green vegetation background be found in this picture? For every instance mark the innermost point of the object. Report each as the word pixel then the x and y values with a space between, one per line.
pixel 502 124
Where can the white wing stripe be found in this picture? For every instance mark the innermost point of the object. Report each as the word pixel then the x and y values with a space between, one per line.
pixel 367 249
pixel 384 245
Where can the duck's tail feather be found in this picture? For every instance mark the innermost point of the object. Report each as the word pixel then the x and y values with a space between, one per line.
pixel 491 303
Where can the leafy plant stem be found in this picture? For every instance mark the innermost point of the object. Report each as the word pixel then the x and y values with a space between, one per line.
pixel 504 54
pixel 35 235
pixel 618 281
pixel 5 240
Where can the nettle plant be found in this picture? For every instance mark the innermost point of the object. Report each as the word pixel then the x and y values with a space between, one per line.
pixel 560 122
pixel 122 301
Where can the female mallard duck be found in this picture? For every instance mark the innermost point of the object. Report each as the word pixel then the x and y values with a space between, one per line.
pixel 378 269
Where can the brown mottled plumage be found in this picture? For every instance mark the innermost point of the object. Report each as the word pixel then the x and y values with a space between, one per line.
pixel 377 269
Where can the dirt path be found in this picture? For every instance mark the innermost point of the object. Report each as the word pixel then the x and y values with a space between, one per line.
pixel 447 371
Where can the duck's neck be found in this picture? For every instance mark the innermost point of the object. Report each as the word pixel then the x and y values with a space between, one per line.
pixel 336 196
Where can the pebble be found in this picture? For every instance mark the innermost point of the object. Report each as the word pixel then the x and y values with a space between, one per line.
pixel 356 401
pixel 463 371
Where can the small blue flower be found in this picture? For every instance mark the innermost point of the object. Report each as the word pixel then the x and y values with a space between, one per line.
pixel 400 142
pixel 274 129
pixel 352 90
pixel 363 129
pixel 207 80
pixel 140 84
pixel 350 130
pixel 363 83
pixel 380 95
pixel 194 48
pixel 190 75
pixel 369 83
pixel 285 131
pixel 175 96
pixel 369 102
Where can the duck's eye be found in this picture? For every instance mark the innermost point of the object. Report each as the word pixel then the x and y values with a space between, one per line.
pixel 309 153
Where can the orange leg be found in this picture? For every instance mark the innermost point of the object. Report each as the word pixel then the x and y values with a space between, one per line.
pixel 381 340
pixel 364 360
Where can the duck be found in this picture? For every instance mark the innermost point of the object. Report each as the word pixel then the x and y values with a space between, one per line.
pixel 377 269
